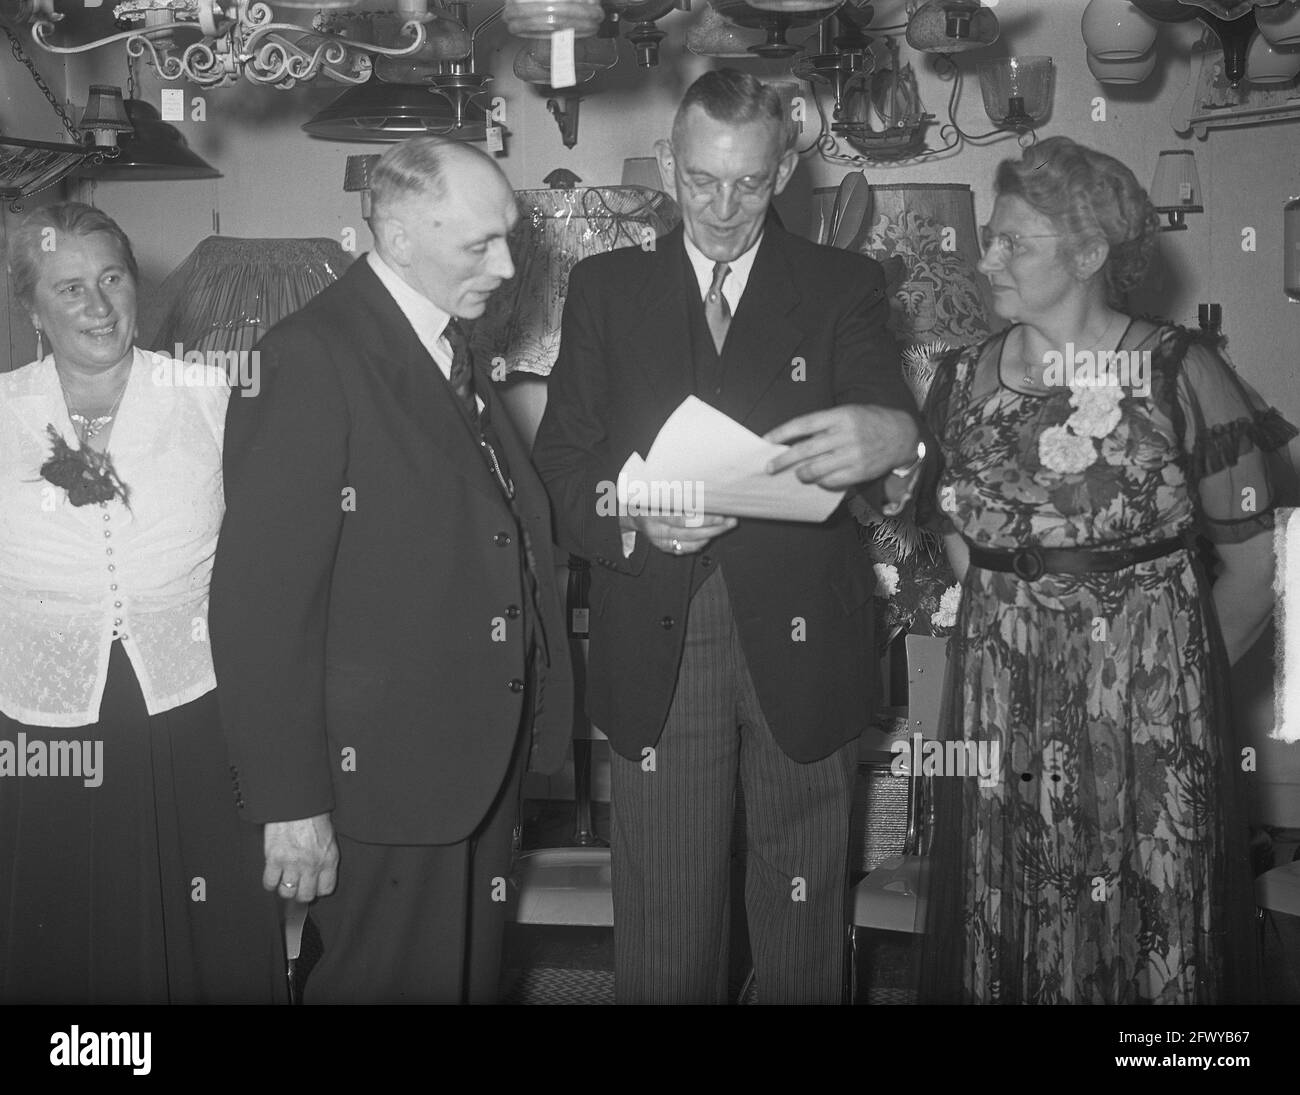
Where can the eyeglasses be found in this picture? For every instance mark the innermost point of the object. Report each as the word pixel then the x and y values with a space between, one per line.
pixel 751 189
pixel 1009 242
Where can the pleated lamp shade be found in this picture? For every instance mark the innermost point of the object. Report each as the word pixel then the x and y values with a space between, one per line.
pixel 230 292
pixel 924 235
pixel 557 229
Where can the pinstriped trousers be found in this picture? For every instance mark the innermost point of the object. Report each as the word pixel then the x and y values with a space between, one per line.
pixel 672 818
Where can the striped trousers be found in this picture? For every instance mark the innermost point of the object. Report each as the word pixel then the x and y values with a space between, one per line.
pixel 672 817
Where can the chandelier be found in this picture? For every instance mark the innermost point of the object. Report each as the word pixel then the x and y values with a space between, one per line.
pixel 237 38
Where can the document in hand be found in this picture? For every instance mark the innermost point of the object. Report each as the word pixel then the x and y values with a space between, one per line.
pixel 704 462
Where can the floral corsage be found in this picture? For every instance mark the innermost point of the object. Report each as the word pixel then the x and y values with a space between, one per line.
pixel 87 475
pixel 1070 448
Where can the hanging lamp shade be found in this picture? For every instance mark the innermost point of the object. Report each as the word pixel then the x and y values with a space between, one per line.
pixel 542 18
pixel 1280 24
pixel 153 150
pixel 788 6
pixel 952 26
pixel 1267 64
pixel 1176 188
pixel 105 114
pixel 590 56
pixel 378 111
pixel 229 292
pixel 556 230
pixel 1126 71
pixel 714 36
pixel 1017 91
pixel 356 178
pixel 1117 30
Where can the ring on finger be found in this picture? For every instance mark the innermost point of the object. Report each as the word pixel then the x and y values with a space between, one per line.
pixel 677 546
pixel 289 885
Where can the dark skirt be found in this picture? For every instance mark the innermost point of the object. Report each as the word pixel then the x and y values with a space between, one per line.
pixel 144 888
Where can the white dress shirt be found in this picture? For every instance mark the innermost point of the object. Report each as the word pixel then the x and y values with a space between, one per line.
pixel 75 578
pixel 427 318
pixel 733 287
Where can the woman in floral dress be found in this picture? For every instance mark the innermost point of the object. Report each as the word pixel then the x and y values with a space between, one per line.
pixel 1106 862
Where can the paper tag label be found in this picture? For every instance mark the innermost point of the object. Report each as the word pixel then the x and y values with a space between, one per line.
pixel 563 73
pixel 494 141
pixel 173 104
pixel 580 621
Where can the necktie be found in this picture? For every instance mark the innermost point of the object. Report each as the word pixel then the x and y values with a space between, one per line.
pixel 462 368
pixel 716 310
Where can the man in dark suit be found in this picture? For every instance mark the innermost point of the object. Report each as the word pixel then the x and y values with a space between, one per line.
pixel 385 619
pixel 725 651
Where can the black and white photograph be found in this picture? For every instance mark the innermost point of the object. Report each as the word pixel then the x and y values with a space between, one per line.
pixel 650 502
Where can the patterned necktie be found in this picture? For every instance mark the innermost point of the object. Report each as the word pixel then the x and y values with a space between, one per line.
pixel 716 309
pixel 462 368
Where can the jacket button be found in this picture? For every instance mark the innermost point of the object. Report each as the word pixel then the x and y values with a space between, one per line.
pixel 706 560
pixel 602 560
pixel 667 623
pixel 501 539
pixel 512 612
pixel 239 801
pixel 516 685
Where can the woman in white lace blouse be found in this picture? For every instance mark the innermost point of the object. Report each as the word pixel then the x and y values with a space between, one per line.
pixel 125 872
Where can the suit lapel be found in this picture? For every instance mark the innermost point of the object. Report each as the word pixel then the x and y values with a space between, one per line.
pixel 762 340
pixel 422 391
pixel 660 337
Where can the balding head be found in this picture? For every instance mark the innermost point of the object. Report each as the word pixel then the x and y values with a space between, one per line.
pixel 441 214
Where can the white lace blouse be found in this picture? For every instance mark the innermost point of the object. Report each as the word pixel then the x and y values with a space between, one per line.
pixel 73 579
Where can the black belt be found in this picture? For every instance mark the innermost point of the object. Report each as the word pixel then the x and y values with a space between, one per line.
pixel 1032 563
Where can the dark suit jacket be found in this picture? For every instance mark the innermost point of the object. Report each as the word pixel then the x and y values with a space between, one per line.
pixel 801 593
pixel 367 600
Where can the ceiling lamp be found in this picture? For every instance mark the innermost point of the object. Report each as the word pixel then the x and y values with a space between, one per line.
pixel 380 111
pixel 153 150
pixel 951 26
pixel 105 115
pixel 239 39
pixel 1280 24
pixel 1116 30
pixel 590 56
pixel 776 23
pixel 1267 64
pixel 1176 189
pixel 1017 91
pixel 542 18
pixel 714 36
pixel 1127 71
pixel 1234 24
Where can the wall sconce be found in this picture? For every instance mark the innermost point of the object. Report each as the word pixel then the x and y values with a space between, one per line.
pixel 1017 91
pixel 1176 188
pixel 105 115
pixel 952 26
pixel 356 177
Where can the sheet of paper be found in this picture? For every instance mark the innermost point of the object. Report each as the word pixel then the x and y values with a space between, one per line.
pixel 704 462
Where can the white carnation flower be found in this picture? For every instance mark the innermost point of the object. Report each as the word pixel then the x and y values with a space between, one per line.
pixel 1097 411
pixel 886 579
pixel 946 616
pixel 1064 452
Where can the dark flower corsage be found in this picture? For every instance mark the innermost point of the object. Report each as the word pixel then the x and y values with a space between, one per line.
pixel 88 476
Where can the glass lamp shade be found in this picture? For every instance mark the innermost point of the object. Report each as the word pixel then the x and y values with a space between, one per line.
pixel 1126 71
pixel 542 18
pixel 788 5
pixel 230 292
pixel 153 151
pixel 1176 188
pixel 1268 64
pixel 557 229
pixel 1116 30
pixel 377 111
pixel 642 11
pixel 952 26
pixel 1017 91
pixel 1280 24
pixel 743 14
pixel 714 36
pixel 590 56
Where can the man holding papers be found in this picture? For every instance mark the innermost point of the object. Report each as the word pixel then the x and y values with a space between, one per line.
pixel 727 651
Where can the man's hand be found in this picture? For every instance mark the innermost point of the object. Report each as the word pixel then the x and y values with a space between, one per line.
pixel 674 536
pixel 845 445
pixel 302 858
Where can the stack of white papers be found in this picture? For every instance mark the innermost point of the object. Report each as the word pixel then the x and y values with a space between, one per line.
pixel 703 462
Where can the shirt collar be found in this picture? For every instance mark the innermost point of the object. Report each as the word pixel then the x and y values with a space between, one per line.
pixel 426 317
pixel 734 287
